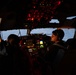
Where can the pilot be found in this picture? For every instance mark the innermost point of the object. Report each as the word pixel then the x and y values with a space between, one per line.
pixel 56 50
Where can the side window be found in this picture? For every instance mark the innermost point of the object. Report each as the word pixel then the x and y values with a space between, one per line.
pixel 69 33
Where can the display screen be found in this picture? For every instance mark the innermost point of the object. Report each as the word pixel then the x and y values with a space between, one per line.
pixel 41 42
pixel 41 46
pixel 30 50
